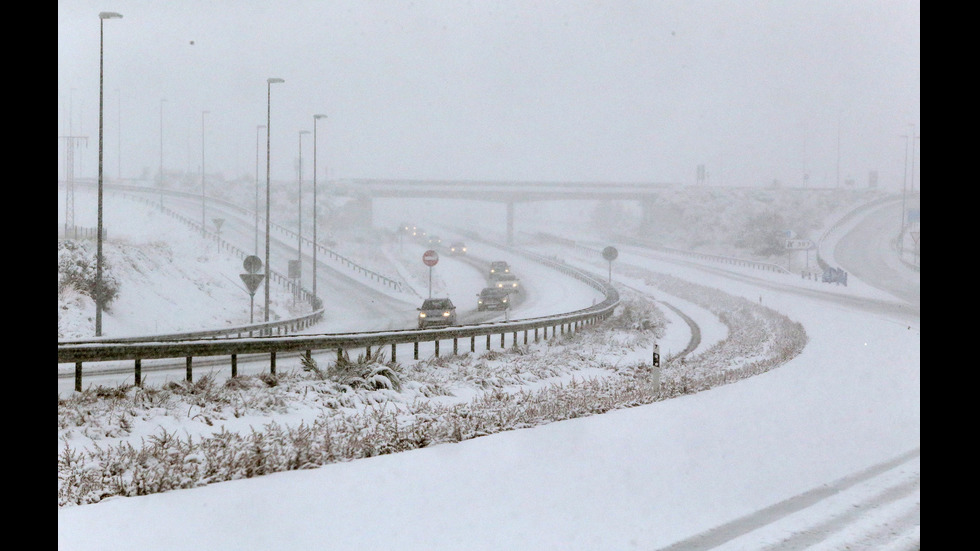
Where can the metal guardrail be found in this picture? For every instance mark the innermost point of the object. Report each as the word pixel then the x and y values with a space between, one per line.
pixel 136 351
pixel 279 327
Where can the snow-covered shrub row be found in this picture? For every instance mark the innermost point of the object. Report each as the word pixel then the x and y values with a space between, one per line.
pixel 758 339
pixel 518 387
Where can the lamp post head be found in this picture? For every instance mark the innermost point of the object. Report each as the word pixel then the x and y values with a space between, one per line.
pixel 301 132
pixel 319 116
pixel 274 80
pixel 109 15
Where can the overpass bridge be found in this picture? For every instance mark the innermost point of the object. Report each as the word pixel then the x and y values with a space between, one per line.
pixel 364 191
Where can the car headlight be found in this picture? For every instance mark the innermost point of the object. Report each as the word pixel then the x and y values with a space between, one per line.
pixel 421 314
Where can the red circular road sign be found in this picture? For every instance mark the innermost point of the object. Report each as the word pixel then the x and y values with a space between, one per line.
pixel 430 258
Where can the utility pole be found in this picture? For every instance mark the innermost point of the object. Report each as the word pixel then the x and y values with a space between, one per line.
pixel 70 185
pixel 905 178
pixel 838 151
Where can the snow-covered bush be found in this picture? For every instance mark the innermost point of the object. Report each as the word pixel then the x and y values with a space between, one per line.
pixel 373 374
pixel 77 268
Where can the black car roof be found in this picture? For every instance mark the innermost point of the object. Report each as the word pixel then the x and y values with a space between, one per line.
pixel 437 303
pixel 492 291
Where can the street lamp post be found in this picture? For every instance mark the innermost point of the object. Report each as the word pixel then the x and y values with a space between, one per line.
pixel 162 101
pixel 299 224
pixel 257 132
pixel 98 264
pixel 268 133
pixel 315 118
pixel 204 197
pixel 118 135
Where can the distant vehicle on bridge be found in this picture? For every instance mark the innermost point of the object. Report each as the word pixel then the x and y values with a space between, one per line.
pixel 458 248
pixel 434 240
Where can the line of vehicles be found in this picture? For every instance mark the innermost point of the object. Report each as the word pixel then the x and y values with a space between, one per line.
pixel 496 295
pixel 457 248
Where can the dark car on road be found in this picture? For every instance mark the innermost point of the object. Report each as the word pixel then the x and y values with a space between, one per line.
pixel 498 267
pixel 507 282
pixel 437 311
pixel 491 298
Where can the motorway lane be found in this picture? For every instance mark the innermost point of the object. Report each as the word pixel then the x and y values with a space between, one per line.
pixel 867 252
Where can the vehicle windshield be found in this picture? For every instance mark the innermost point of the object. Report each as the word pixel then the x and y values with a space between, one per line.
pixel 436 304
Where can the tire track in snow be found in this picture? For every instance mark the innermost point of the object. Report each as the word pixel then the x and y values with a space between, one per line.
pixel 718 537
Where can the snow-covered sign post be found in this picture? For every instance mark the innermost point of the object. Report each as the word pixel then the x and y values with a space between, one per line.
pixel 796 245
pixel 430 258
pixel 252 280
pixel 610 253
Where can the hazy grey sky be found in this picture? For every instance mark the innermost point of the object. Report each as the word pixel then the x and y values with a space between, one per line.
pixel 574 90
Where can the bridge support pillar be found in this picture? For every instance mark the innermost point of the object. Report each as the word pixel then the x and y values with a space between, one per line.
pixel 364 209
pixel 510 222
pixel 367 207
pixel 648 210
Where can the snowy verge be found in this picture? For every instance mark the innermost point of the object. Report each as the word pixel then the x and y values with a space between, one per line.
pixel 129 441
